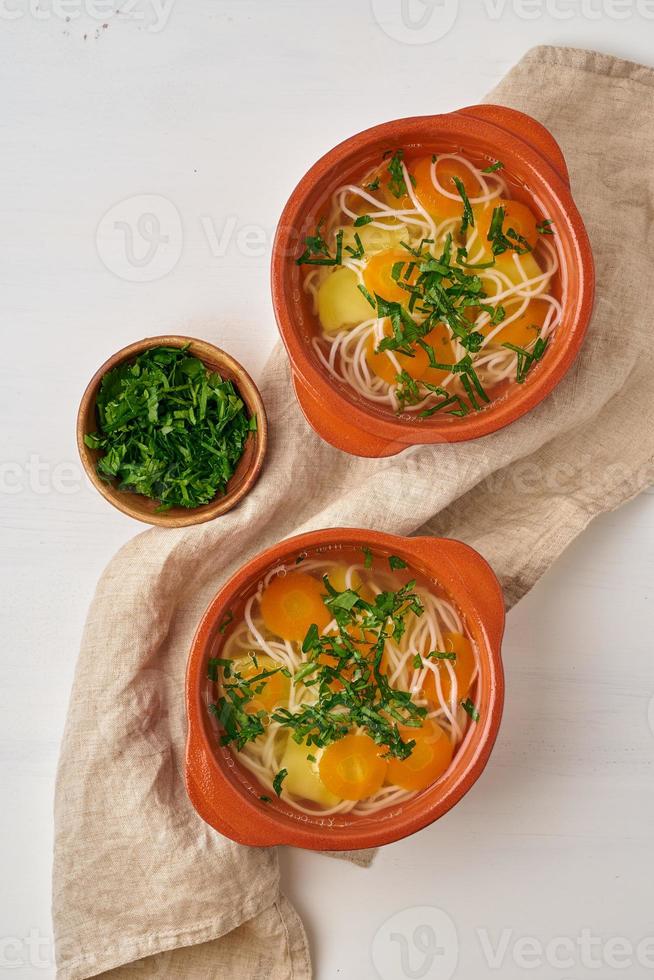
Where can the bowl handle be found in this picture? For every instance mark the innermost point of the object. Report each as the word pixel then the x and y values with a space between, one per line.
pixel 340 432
pixel 215 801
pixel 477 576
pixel 525 128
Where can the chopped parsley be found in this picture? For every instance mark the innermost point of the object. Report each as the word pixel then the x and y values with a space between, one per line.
pixel 470 709
pixel 345 670
pixel 226 620
pixel 503 242
pixel 169 428
pixel 396 182
pixel 278 780
pixel 317 250
pixel 468 220
pixel 526 359
pixel 356 251
pixel 493 168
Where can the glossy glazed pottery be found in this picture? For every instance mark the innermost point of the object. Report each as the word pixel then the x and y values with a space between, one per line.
pixel 534 161
pixel 224 792
pixel 142 508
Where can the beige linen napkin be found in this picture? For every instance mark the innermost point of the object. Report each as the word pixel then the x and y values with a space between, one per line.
pixel 138 876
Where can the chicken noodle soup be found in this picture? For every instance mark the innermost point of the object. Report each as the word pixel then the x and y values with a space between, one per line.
pixel 434 286
pixel 345 684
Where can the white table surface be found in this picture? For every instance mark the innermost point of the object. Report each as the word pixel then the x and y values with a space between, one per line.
pixel 216 109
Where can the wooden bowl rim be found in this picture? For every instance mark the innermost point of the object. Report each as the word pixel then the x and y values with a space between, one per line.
pixel 124 500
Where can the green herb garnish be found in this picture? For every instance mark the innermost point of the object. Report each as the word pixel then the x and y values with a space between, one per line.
pixel 544 227
pixel 396 562
pixel 344 670
pixel 526 359
pixel 501 242
pixel 169 428
pixel 367 558
pixel 407 391
pixel 396 183
pixel 358 252
pixel 226 620
pixel 317 250
pixel 442 655
pixel 363 219
pixel 470 709
pixel 494 167
pixel 278 780
pixel 468 220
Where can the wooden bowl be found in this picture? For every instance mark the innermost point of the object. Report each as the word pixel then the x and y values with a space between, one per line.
pixel 224 792
pixel 535 162
pixel 135 504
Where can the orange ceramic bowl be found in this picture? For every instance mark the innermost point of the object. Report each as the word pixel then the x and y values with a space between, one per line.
pixel 225 793
pixel 536 166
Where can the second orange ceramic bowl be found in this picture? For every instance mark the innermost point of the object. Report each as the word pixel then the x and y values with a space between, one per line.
pixel 226 794
pixel 535 163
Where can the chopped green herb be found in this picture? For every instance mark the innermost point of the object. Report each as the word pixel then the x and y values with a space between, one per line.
pixel 169 428
pixel 494 167
pixel 367 558
pixel 470 709
pixel 226 620
pixel 468 215
pixel 396 562
pixel 373 185
pixel 278 780
pixel 265 799
pixel 544 227
pixel 362 289
pixel 312 758
pixel 352 656
pixel 526 359
pixel 501 242
pixel 417 662
pixel 442 655
pixel 358 252
pixel 363 219
pixel 317 250
pixel 396 183
pixel 407 391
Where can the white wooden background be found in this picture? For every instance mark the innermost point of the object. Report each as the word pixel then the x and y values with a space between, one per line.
pixel 205 113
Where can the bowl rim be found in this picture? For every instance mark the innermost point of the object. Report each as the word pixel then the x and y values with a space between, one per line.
pixel 230 807
pixel 387 435
pixel 177 516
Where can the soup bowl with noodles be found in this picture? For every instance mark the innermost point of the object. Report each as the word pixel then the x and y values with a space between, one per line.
pixel 344 689
pixel 432 280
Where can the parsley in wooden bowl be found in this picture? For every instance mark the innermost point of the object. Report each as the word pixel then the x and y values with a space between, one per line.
pixel 172 431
